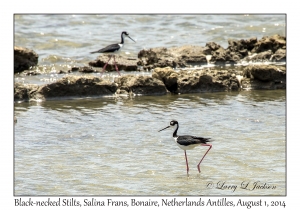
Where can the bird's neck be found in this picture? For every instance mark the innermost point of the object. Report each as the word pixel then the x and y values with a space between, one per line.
pixel 122 39
pixel 175 131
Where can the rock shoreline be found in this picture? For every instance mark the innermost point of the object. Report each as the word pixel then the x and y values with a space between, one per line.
pixel 271 48
pixel 163 81
pixel 166 75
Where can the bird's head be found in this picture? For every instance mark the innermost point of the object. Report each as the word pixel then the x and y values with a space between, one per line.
pixel 172 123
pixel 125 34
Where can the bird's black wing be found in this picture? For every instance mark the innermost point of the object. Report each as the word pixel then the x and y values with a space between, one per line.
pixel 188 140
pixel 108 49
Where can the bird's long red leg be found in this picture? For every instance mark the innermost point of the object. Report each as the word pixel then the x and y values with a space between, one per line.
pixel 105 65
pixel 210 146
pixel 116 66
pixel 187 164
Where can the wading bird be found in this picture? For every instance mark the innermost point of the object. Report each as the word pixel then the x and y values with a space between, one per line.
pixel 188 142
pixel 113 49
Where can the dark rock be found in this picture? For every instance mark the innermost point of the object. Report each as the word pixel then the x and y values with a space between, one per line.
pixel 218 53
pixel 23 92
pixel 264 77
pixel 234 59
pixel 142 85
pixel 168 76
pixel 195 80
pixel 75 68
pixel 24 59
pixel 238 50
pixel 126 64
pixel 253 50
pixel 157 57
pixel 76 86
pixel 173 57
pixel 234 84
pixel 253 84
pixel 86 69
pixel 265 72
pixel 261 56
pixel 61 72
pixel 121 92
pixel 219 56
pixel 196 84
pixel 210 47
pixel 189 55
pixel 272 43
pixel 241 46
pixel 279 55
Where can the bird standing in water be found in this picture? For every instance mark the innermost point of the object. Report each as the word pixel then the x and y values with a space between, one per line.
pixel 113 49
pixel 188 142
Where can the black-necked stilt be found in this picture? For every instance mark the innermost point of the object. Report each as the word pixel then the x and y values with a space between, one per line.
pixel 113 49
pixel 187 142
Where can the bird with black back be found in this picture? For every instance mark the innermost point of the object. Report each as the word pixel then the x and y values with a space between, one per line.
pixel 113 49
pixel 188 142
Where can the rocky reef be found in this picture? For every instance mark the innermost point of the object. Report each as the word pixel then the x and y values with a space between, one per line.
pixel 271 48
pixel 24 58
pixel 162 81
pixel 175 70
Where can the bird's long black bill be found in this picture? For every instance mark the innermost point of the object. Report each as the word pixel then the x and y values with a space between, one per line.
pixel 163 128
pixel 130 38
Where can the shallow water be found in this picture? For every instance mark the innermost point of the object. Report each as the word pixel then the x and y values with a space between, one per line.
pixel 72 37
pixel 111 146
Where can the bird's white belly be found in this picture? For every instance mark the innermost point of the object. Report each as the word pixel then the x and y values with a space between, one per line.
pixel 188 147
pixel 119 51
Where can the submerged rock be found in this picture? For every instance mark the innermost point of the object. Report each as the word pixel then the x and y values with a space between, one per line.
pixel 24 58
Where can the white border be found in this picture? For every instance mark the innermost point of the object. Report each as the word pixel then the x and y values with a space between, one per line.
pixel 137 6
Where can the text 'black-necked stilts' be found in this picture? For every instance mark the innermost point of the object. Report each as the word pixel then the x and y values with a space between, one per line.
pixel 187 142
pixel 113 49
